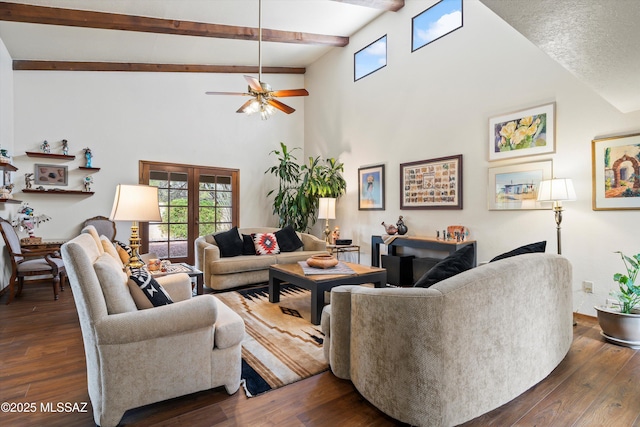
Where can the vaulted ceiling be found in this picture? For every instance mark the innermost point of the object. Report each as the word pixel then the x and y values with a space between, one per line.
pixel 597 40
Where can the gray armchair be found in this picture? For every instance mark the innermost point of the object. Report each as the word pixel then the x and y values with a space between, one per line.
pixel 137 357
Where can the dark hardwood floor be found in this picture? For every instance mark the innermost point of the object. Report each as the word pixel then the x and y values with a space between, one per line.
pixel 42 362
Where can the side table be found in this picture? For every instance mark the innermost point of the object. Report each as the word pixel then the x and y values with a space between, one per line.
pixel 338 249
pixel 183 268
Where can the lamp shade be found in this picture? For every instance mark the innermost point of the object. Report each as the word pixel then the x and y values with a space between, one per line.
pixel 327 208
pixel 135 203
pixel 556 190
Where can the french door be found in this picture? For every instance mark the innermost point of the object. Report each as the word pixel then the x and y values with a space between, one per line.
pixel 194 201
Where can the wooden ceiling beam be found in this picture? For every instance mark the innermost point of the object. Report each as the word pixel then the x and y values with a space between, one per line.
pixel 112 21
pixel 141 67
pixel 388 5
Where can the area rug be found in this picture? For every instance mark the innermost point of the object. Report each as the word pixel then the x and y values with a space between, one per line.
pixel 281 345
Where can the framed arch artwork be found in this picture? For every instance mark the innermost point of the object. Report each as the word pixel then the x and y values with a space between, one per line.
pixel 616 172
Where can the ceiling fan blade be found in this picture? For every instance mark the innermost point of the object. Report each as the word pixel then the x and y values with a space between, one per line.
pixel 254 84
pixel 280 106
pixel 290 92
pixel 227 93
pixel 245 105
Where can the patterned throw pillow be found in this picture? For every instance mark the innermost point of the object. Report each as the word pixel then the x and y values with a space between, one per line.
pixel 150 287
pixel 124 251
pixel 266 244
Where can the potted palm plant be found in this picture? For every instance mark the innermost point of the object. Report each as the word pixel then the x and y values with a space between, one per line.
pixel 621 323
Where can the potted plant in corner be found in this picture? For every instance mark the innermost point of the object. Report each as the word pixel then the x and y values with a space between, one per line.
pixel 300 187
pixel 620 324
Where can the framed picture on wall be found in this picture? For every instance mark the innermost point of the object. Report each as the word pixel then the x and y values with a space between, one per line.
pixel 432 184
pixel 515 187
pixel 523 133
pixel 371 188
pixel 616 172
pixel 51 175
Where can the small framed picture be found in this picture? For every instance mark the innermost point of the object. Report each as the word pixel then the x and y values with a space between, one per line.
pixel 523 133
pixel 515 187
pixel 432 184
pixel 51 175
pixel 371 188
pixel 616 172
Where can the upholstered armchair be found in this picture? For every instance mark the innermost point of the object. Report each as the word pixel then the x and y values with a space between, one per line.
pixel 140 356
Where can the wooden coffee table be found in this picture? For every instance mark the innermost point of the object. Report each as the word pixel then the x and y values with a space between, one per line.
pixel 319 284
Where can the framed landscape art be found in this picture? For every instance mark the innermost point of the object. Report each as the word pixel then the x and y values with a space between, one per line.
pixel 432 184
pixel 515 187
pixel 616 172
pixel 371 188
pixel 523 133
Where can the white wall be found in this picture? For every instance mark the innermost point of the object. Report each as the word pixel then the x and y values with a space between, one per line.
pixel 6 142
pixel 127 117
pixel 437 102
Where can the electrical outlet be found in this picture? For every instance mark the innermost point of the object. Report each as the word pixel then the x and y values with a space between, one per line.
pixel 587 287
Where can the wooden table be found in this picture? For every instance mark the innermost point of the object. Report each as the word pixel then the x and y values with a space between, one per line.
pixel 449 246
pixel 319 284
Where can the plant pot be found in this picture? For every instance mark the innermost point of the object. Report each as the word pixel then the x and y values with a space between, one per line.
pixel 620 328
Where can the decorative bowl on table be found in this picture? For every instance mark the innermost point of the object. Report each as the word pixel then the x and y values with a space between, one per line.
pixel 322 261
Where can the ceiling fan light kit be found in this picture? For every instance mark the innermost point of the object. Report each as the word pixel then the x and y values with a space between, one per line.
pixel 263 96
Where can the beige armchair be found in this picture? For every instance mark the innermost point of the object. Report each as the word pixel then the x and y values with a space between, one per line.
pixel 137 357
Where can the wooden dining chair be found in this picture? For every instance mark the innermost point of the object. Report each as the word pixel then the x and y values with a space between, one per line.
pixel 31 262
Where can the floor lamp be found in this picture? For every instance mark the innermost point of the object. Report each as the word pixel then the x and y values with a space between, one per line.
pixel 136 203
pixel 327 211
pixel 557 190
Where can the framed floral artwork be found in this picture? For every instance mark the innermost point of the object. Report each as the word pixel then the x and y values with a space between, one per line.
pixel 523 133
pixel 515 187
pixel 432 184
pixel 371 188
pixel 616 172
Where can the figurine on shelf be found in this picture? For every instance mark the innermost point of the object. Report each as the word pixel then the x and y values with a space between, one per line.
pixel 390 229
pixel 88 156
pixel 28 180
pixel 65 147
pixel 26 220
pixel 402 228
pixel 4 156
pixel 45 147
pixel 88 180
pixel 5 192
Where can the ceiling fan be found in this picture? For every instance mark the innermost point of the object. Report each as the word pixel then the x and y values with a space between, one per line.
pixel 263 96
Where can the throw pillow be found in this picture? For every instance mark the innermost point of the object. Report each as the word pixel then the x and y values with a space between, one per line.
pixel 150 287
pixel 110 249
pixel 526 249
pixel 124 251
pixel 229 242
pixel 247 245
pixel 266 244
pixel 459 261
pixel 288 239
pixel 113 282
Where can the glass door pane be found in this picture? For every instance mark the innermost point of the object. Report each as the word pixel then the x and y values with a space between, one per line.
pixel 169 237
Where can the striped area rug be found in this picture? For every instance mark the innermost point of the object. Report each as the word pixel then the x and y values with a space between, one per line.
pixel 280 346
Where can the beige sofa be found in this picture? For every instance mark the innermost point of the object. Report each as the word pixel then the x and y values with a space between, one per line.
pixel 137 357
pixel 225 273
pixel 443 355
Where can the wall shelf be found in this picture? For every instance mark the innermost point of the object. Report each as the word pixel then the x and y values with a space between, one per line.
pixel 84 168
pixel 10 201
pixel 8 167
pixel 74 192
pixel 50 156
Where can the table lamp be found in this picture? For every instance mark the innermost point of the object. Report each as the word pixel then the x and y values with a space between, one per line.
pixel 557 190
pixel 136 203
pixel 327 211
